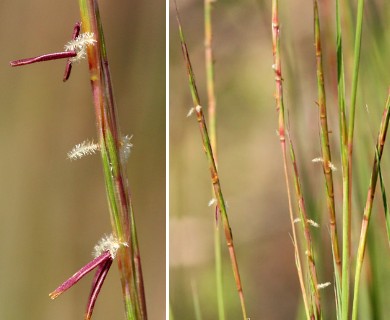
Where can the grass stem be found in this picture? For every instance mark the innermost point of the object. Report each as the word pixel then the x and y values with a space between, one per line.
pixel 347 208
pixel 211 108
pixel 325 145
pixel 369 202
pixel 121 211
pixel 281 130
pixel 213 168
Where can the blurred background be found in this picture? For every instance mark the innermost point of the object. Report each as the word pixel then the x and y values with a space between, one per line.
pixel 250 161
pixel 53 211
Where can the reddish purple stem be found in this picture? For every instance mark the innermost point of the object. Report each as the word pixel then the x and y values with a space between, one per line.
pixel 97 284
pixel 45 57
pixel 99 261
pixel 68 68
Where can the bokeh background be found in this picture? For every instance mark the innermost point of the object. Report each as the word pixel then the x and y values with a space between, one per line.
pixel 52 210
pixel 249 155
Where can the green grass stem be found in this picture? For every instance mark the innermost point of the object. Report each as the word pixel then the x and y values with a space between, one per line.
pixel 120 206
pixel 212 121
pixel 369 202
pixel 343 145
pixel 347 206
pixel 325 145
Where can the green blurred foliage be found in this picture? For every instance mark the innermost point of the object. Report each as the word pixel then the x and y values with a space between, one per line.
pixel 250 159
pixel 53 210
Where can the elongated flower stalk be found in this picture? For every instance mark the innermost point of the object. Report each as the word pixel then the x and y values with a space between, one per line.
pixel 121 210
pixel 212 165
pixel 277 67
pixel 325 145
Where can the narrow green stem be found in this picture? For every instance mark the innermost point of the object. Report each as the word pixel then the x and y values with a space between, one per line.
pixel 211 108
pixel 218 272
pixel 348 190
pixel 369 202
pixel 343 146
pixel 121 211
pixel 325 145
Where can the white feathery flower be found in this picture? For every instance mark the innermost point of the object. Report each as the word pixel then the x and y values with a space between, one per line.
pixel 212 201
pixel 323 285
pixel 296 220
pixel 85 148
pixel 125 147
pixel 313 223
pixel 108 243
pixel 80 45
pixel 81 42
pixel 330 164
pixel 198 108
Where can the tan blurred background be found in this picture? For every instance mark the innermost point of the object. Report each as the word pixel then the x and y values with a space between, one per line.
pixel 249 155
pixel 52 210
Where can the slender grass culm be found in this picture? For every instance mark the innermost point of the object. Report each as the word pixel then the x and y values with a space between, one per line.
pixel 122 245
pixel 369 203
pixel 212 126
pixel 208 148
pixel 314 310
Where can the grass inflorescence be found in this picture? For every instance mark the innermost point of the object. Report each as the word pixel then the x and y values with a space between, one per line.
pixel 88 42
